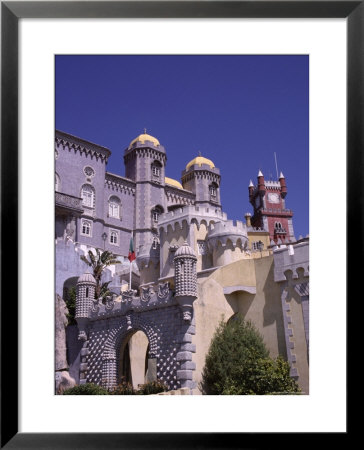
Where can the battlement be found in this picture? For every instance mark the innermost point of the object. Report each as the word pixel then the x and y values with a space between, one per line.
pixel 145 144
pixel 271 183
pixel 231 231
pixel 233 227
pixel 190 214
pixel 192 211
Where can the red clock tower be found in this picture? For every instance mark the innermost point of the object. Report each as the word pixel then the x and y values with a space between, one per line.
pixel 270 213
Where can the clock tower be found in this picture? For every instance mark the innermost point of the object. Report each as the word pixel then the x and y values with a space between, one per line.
pixel 270 212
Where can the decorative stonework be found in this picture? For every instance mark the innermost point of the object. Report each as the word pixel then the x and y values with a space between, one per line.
pixel 119 184
pixel 89 171
pixel 69 202
pixel 73 143
pixel 104 328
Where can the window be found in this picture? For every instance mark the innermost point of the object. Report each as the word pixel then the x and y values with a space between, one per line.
pixel 89 172
pixel 114 237
pixel 213 190
pixel 156 170
pixel 156 212
pixel 88 196
pixel 114 207
pixel 278 228
pixel 201 245
pixel 155 216
pixel 57 183
pixel 86 227
pixel 155 243
pixel 258 245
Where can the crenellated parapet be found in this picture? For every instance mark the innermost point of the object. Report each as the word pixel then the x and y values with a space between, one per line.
pixel 190 214
pixel 177 196
pixel 202 172
pixel 147 150
pixel 291 260
pixel 229 230
pixel 76 144
pixel 119 184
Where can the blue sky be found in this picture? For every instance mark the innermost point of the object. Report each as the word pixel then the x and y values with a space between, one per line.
pixel 237 110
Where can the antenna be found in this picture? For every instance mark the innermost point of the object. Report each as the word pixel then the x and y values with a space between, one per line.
pixel 275 158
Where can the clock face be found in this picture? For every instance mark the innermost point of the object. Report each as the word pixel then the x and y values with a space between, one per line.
pixel 273 197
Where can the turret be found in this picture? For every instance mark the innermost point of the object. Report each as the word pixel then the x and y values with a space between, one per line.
pixel 85 295
pixel 185 274
pixel 145 161
pixel 261 184
pixel 251 190
pixel 248 217
pixel 203 179
pixel 282 182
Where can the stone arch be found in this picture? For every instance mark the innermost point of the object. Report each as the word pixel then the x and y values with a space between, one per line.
pixel 132 358
pixel 195 221
pixel 204 222
pixel 68 284
pixel 129 324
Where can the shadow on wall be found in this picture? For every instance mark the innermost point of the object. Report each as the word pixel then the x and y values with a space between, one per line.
pixel 272 310
pixel 240 302
pixel 74 347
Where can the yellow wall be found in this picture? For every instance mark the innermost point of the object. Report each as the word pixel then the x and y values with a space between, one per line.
pixel 263 308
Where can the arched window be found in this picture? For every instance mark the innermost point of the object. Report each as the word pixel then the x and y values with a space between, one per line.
pixel 156 212
pixel 213 191
pixel 86 227
pixel 57 183
pixel 88 196
pixel 278 225
pixel 156 170
pixel 114 207
pixel 114 237
pixel 155 243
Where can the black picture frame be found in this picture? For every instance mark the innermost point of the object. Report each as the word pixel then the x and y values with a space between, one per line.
pixel 11 12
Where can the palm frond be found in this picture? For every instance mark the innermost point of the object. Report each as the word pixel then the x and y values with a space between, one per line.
pixel 92 257
pixel 104 290
pixel 85 260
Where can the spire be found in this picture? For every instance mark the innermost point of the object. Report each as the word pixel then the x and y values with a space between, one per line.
pixel 251 184
pixel 145 131
pixel 260 173
pixel 281 175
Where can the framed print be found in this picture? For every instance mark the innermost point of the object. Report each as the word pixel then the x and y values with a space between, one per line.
pixel 88 68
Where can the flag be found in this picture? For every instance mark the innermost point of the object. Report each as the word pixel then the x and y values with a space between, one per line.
pixel 131 255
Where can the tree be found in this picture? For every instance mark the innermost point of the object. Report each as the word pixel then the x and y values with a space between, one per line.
pixel 238 363
pixel 71 305
pixel 98 263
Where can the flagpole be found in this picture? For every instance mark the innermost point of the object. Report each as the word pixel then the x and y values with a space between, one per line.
pixel 131 262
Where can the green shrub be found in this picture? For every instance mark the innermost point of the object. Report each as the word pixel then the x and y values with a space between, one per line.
pixel 71 305
pixel 238 363
pixel 123 388
pixel 86 389
pixel 152 387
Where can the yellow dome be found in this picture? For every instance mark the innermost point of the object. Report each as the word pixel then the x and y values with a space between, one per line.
pixel 200 160
pixel 145 137
pixel 173 182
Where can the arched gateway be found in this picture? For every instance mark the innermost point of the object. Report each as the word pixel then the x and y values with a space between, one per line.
pixel 165 317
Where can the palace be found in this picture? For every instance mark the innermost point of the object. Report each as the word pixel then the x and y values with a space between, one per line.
pixel 193 266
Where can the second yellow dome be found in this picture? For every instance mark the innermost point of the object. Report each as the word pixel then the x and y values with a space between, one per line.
pixel 145 137
pixel 200 160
